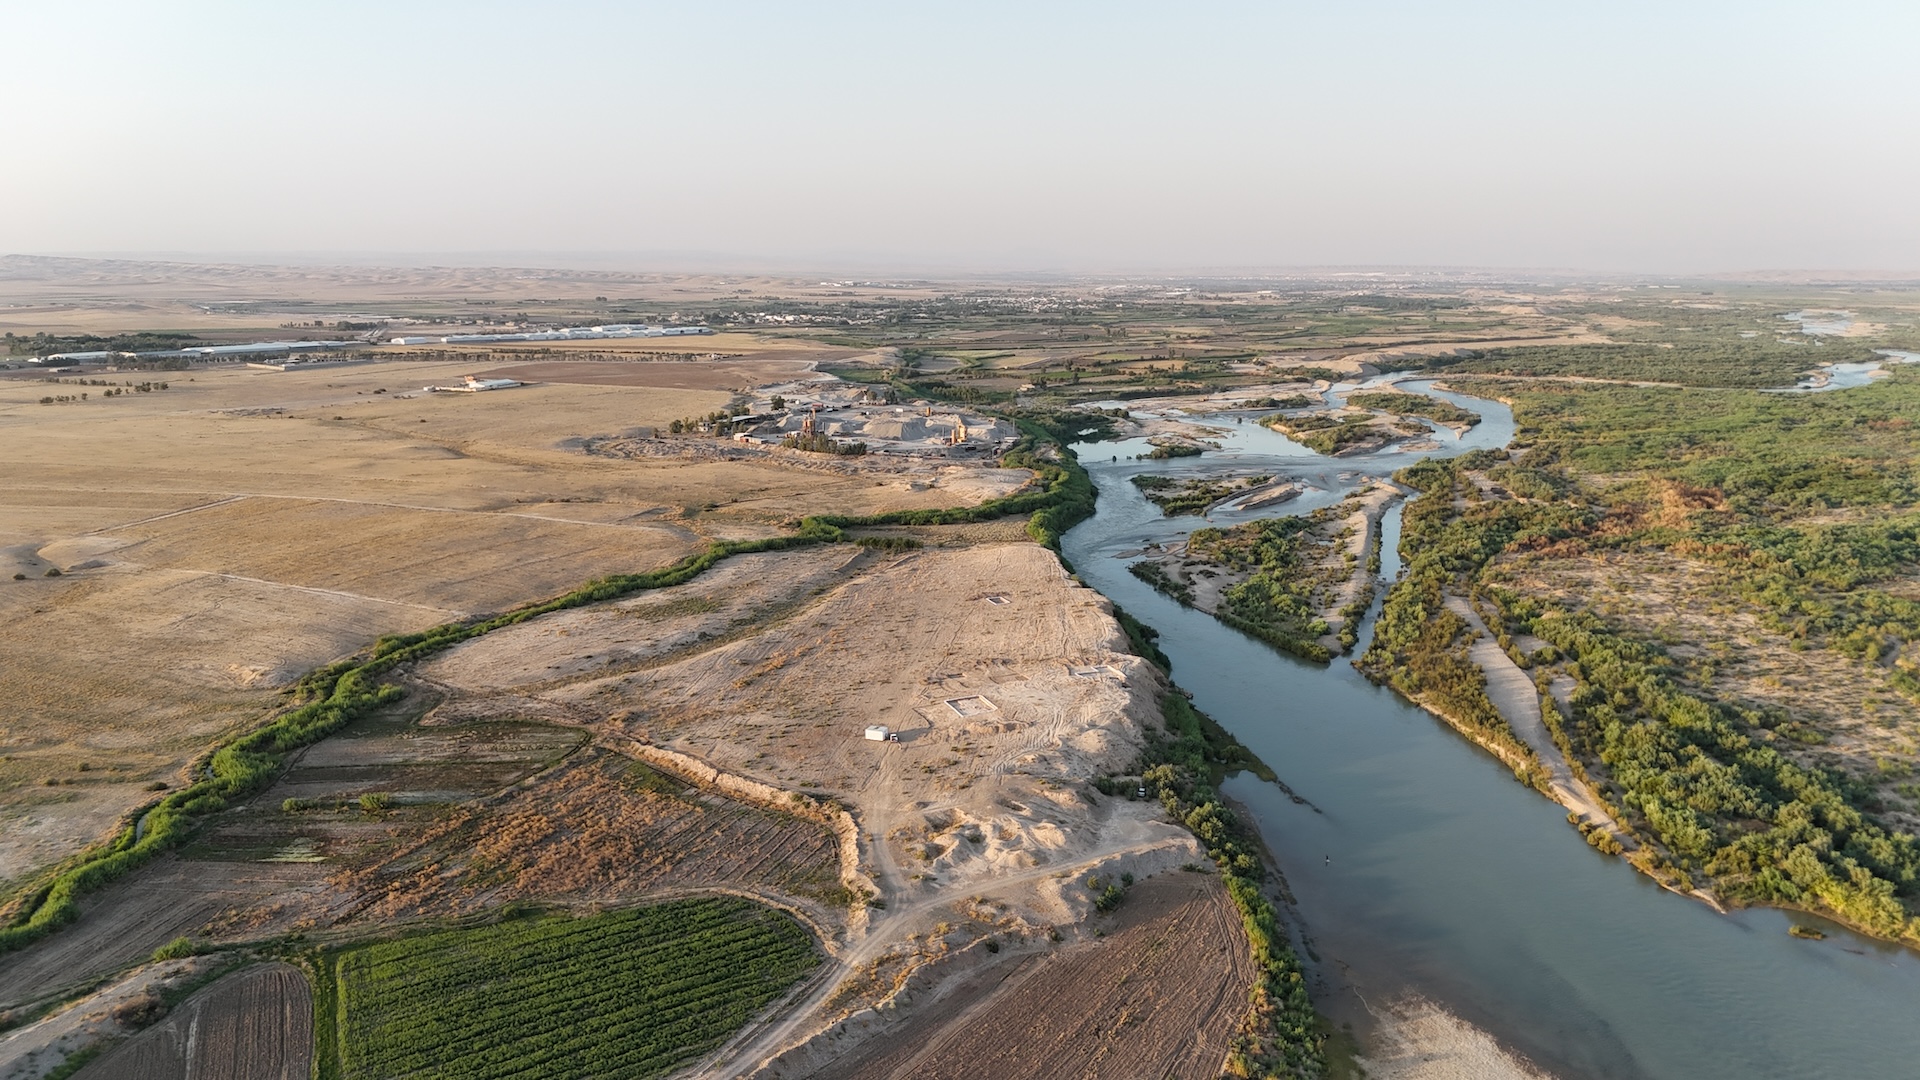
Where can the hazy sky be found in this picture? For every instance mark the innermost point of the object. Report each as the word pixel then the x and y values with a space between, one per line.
pixel 1608 134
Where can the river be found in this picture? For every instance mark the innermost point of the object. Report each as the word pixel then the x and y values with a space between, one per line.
pixel 1449 880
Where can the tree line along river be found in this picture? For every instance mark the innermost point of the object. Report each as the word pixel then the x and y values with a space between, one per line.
pixel 1418 866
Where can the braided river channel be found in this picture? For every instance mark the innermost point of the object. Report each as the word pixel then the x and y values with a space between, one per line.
pixel 1419 868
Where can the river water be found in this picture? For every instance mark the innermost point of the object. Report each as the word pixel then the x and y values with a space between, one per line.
pixel 1418 865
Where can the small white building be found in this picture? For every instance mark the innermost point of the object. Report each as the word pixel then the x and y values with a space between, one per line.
pixel 877 732
pixel 473 385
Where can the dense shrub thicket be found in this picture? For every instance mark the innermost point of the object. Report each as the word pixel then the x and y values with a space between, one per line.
pixel 1744 485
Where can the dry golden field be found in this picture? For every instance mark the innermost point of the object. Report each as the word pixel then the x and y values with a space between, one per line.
pixel 216 539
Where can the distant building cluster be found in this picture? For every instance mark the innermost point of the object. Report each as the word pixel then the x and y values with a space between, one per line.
pixel 291 348
pixel 206 352
pixel 918 429
pixel 578 333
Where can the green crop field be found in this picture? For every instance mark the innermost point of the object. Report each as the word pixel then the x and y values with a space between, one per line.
pixel 625 994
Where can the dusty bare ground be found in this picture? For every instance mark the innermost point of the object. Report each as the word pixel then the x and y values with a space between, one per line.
pixel 1161 995
pixel 125 922
pixel 1418 1040
pixel 38 1048
pixel 472 814
pixel 1009 685
pixel 1846 714
pixel 874 482
pixel 252 1025
pixel 602 829
pixel 218 538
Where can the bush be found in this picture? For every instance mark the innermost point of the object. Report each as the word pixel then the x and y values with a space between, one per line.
pixel 177 949
pixel 140 1010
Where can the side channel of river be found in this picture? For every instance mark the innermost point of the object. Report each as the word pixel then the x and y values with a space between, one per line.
pixel 1450 881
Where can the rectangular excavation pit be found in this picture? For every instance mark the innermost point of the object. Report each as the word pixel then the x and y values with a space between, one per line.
pixel 964 707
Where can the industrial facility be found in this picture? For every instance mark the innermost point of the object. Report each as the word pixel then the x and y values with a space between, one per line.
pixel 578 333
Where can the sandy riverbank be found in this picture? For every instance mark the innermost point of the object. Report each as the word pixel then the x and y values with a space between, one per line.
pixel 1418 1040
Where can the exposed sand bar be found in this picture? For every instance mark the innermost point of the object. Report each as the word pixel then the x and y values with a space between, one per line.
pixel 1418 1040
pixel 1513 693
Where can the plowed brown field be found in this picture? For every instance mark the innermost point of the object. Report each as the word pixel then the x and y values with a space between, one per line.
pixel 253 1025
pixel 1160 996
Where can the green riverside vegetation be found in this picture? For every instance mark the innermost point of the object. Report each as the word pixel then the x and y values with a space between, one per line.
pixel 1804 508
pixel 1182 766
pixel 1401 403
pixel 1324 434
pixel 626 994
pixel 1176 498
pixel 1749 363
pixel 1275 602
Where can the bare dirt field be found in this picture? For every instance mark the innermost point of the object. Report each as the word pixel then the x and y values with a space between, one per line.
pixel 122 924
pixel 252 1025
pixel 466 815
pixel 1161 995
pixel 1009 686
pixel 114 1010
pixel 217 538
pixel 602 829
